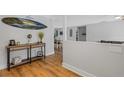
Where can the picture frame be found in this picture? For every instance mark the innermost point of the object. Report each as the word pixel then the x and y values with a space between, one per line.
pixel 71 32
pixel 12 43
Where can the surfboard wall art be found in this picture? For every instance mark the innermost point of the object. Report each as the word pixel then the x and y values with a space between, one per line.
pixel 23 23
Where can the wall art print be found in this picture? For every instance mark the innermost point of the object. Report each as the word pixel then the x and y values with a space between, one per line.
pixel 23 23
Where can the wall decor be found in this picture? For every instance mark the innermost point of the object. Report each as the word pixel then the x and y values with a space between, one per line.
pixel 41 35
pixel 29 36
pixel 61 33
pixel 71 33
pixel 18 43
pixel 12 43
pixel 23 23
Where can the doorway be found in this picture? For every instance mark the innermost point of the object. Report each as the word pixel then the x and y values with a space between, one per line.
pixel 58 39
pixel 81 33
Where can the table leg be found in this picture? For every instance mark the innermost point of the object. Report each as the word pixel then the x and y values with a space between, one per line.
pixel 44 51
pixel 28 57
pixel 30 54
pixel 8 59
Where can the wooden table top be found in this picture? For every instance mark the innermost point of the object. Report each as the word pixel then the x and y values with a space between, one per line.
pixel 26 45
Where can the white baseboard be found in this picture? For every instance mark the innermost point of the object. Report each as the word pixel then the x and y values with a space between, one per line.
pixel 50 53
pixel 3 67
pixel 78 71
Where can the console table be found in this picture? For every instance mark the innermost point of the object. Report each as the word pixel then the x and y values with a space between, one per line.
pixel 29 48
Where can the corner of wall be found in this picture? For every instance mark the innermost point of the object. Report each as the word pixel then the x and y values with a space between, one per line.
pixel 78 71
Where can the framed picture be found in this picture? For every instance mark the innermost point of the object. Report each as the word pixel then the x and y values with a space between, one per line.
pixel 71 33
pixel 61 33
pixel 12 43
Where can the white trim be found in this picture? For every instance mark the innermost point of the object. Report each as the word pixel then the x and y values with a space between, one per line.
pixel 3 67
pixel 50 53
pixel 78 71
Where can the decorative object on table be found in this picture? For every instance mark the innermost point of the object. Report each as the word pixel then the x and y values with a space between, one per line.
pixel 12 43
pixel 41 35
pixel 29 36
pixel 17 43
pixel 23 23
pixel 16 60
pixel 39 53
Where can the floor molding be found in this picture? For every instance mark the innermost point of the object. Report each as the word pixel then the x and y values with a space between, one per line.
pixel 3 67
pixel 78 71
pixel 51 53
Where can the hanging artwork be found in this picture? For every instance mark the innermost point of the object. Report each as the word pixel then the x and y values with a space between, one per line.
pixel 23 23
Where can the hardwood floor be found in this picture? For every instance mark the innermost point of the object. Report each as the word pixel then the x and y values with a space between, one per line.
pixel 51 67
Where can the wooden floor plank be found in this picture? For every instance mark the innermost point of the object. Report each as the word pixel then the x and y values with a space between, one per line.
pixel 50 67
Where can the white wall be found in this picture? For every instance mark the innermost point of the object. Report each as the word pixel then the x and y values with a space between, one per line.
pixel 58 21
pixel 84 20
pixel 94 59
pixel 106 31
pixel 81 20
pixel 8 32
